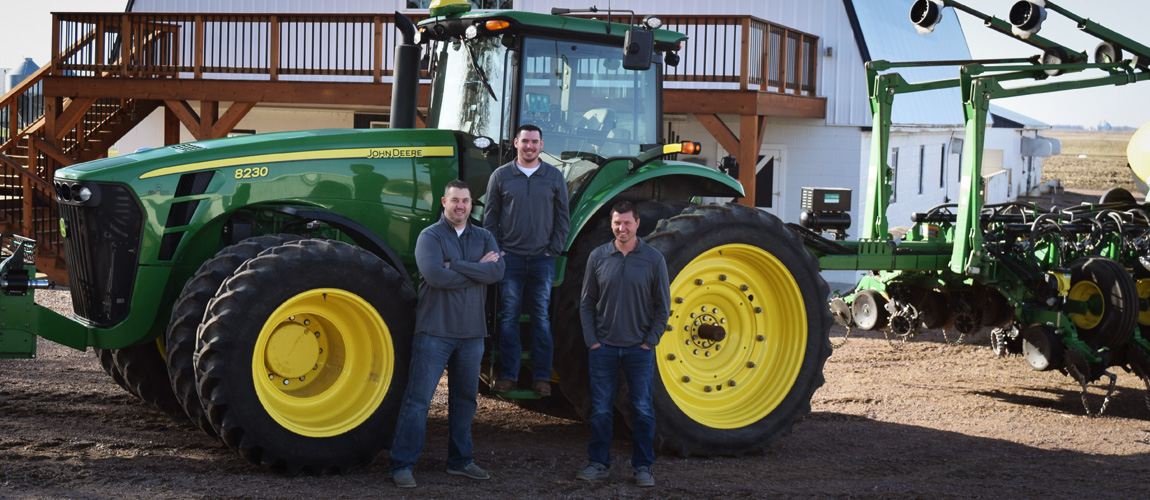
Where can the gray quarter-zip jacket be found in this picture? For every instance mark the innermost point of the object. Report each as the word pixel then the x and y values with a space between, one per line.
pixel 527 215
pixel 626 300
pixel 452 297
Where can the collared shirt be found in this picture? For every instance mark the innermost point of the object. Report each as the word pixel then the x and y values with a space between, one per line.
pixel 527 214
pixel 626 299
pixel 452 297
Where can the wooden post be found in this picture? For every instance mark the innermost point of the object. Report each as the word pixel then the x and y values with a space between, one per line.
pixel 55 41
pixel 745 53
pixel 198 69
pixel 377 56
pixel 750 141
pixel 171 127
pixel 784 41
pixel 209 114
pixel 274 47
pixel 125 44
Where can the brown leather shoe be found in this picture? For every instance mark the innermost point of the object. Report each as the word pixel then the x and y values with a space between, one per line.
pixel 503 385
pixel 541 387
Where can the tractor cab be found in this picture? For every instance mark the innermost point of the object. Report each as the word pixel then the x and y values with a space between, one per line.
pixel 590 85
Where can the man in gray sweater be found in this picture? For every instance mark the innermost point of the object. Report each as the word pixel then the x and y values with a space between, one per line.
pixel 457 261
pixel 526 210
pixel 624 309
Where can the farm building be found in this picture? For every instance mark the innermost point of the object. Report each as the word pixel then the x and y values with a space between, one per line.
pixel 780 85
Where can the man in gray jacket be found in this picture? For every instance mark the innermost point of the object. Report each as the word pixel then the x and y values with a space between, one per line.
pixel 624 309
pixel 457 261
pixel 526 210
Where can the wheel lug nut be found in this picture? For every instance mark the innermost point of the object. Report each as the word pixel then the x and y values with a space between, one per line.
pixel 695 352
pixel 306 322
pixel 744 288
pixel 670 357
pixel 669 327
pixel 686 378
pixel 760 338
pixel 758 310
pixel 731 383
pixel 698 282
pixel 706 388
pixel 722 320
pixel 687 328
pixel 706 354
pixel 722 277
pixel 704 309
pixel 694 337
pixel 714 310
pixel 750 364
pixel 678 300
pixel 317 335
pixel 696 322
pixel 316 367
pixel 301 378
pixel 286 381
pixel 692 315
pixel 718 347
pixel 271 376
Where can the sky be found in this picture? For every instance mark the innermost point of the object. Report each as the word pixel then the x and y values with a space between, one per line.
pixel 26 27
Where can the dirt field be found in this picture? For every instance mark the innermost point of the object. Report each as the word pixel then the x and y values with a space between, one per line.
pixel 928 419
pixel 1090 160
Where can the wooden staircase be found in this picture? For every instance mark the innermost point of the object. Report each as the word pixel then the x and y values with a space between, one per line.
pixel 41 136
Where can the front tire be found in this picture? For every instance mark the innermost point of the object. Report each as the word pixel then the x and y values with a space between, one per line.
pixel 303 357
pixel 188 313
pixel 742 269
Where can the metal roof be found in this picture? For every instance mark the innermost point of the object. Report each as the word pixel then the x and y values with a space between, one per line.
pixel 888 34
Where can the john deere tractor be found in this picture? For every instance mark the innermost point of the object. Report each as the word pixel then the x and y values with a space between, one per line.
pixel 263 286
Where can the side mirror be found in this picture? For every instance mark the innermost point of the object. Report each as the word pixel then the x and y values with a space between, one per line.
pixel 638 47
pixel 729 165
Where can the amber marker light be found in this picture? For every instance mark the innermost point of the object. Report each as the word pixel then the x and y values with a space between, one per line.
pixel 495 25
pixel 691 148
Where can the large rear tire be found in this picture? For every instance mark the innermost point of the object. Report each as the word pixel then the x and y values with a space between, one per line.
pixel 188 313
pixel 742 269
pixel 303 357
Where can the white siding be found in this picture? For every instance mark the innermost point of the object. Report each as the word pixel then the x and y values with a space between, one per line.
pixel 150 132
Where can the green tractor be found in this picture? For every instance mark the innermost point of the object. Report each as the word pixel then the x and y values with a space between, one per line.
pixel 264 286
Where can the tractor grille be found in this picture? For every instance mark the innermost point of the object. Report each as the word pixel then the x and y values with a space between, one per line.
pixel 102 247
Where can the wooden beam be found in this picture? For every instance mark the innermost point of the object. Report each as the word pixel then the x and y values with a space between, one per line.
pixel 51 151
pixel 264 92
pixel 741 102
pixel 187 116
pixel 231 118
pixel 720 132
pixel 71 116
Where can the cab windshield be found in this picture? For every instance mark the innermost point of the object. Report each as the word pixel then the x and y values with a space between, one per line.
pixel 588 106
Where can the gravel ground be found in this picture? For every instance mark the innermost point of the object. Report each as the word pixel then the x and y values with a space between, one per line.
pixel 924 419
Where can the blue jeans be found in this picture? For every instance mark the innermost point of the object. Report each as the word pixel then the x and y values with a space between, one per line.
pixel 638 366
pixel 429 356
pixel 526 286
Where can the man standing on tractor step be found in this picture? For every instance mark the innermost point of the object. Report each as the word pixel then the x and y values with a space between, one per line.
pixel 624 309
pixel 457 261
pixel 526 210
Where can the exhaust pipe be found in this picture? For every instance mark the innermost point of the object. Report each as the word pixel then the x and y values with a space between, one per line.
pixel 405 78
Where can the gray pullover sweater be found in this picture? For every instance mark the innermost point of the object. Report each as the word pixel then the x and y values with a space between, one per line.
pixel 527 215
pixel 452 297
pixel 626 300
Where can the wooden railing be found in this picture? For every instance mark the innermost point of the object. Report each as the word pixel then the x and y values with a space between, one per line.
pixel 740 52
pixel 746 51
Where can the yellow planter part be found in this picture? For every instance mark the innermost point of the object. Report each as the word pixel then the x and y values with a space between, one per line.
pixel 322 363
pixel 1085 291
pixel 736 336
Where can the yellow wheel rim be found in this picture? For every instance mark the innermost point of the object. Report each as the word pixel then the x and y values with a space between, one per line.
pixel 1086 292
pixel 736 381
pixel 322 363
pixel 1144 301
